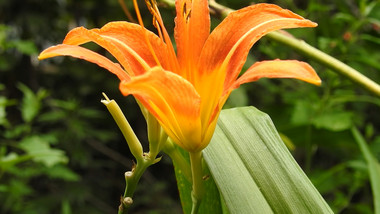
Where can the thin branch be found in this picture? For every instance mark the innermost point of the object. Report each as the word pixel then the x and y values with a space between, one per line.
pixel 326 60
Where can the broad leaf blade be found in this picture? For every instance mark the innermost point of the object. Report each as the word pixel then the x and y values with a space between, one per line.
pixel 253 169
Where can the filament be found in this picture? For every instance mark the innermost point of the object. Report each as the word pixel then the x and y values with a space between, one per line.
pixel 145 33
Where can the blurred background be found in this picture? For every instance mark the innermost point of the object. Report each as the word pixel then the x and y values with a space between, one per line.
pixel 61 152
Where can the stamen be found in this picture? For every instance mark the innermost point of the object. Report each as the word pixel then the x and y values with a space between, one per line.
pixel 160 32
pixel 153 10
pixel 145 34
pixel 186 12
pixel 164 34
pixel 188 16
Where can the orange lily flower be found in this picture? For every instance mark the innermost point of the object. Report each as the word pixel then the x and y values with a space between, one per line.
pixel 186 90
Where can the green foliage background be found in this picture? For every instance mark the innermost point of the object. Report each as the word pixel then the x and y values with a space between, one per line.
pixel 60 151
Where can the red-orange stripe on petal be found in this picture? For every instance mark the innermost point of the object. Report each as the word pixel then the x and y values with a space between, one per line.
pixel 88 55
pixel 191 31
pixel 132 35
pixel 173 101
pixel 279 69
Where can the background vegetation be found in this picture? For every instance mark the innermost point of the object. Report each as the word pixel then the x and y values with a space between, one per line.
pixel 60 151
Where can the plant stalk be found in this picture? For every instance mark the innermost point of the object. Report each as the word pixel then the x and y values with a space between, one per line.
pixel 197 177
pixel 132 178
pixel 326 60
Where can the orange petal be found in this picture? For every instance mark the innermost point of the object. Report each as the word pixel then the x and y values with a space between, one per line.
pixel 125 41
pixel 88 55
pixel 132 35
pixel 279 69
pixel 191 31
pixel 230 42
pixel 173 101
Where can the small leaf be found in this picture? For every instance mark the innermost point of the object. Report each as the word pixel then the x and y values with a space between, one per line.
pixel 60 171
pixel 41 152
pixel 17 131
pixel 30 105
pixel 334 121
pixel 25 47
pixel 12 159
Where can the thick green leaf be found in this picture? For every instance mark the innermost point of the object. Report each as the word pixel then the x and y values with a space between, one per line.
pixel 373 168
pixel 254 171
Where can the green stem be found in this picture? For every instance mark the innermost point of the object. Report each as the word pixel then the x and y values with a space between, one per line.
pixel 132 178
pixel 310 51
pixel 197 177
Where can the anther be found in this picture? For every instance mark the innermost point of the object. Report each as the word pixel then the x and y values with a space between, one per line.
pixel 186 12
